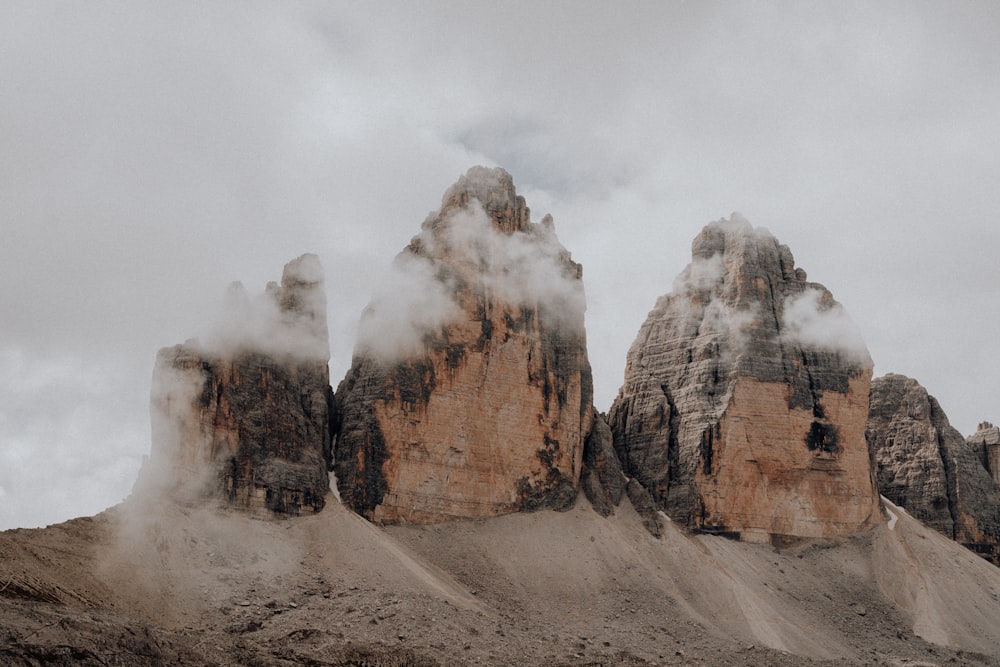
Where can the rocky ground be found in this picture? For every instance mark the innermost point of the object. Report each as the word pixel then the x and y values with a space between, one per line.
pixel 156 584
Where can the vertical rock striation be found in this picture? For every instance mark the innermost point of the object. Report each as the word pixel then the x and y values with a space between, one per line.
pixel 986 443
pixel 245 416
pixel 470 392
pixel 925 466
pixel 745 397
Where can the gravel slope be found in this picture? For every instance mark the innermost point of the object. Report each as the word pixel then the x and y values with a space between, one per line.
pixel 157 584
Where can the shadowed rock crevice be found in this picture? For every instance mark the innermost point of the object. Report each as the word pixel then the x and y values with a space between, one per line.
pixel 602 479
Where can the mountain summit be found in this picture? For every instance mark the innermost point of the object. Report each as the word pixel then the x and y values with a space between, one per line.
pixel 470 392
pixel 244 416
pixel 745 397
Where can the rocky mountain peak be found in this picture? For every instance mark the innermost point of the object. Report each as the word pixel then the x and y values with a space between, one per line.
pixel 925 465
pixel 985 442
pixel 244 416
pixel 494 190
pixel 753 250
pixel 470 393
pixel 987 434
pixel 746 393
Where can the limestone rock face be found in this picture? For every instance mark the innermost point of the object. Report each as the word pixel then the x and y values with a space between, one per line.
pixel 470 392
pixel 925 466
pixel 986 443
pixel 245 416
pixel 746 395
pixel 603 481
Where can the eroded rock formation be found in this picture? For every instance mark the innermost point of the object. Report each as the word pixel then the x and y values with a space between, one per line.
pixel 986 443
pixel 470 392
pixel 925 466
pixel 245 415
pixel 602 480
pixel 746 396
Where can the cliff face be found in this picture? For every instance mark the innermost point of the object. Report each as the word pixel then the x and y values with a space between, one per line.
pixel 986 443
pixel 470 393
pixel 245 416
pixel 745 397
pixel 925 466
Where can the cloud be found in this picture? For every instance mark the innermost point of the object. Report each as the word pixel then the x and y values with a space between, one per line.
pixel 466 250
pixel 702 274
pixel 52 411
pixel 814 320
pixel 411 301
pixel 286 320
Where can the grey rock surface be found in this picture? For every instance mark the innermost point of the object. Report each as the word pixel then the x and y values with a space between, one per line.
pixel 925 465
pixel 742 317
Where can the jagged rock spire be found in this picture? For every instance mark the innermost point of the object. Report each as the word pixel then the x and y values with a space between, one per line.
pixel 470 393
pixel 745 396
pixel 243 417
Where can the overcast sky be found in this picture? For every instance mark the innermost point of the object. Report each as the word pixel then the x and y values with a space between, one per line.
pixel 151 153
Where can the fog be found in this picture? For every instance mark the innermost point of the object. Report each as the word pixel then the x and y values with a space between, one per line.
pixel 466 250
pixel 154 153
pixel 287 319
pixel 815 321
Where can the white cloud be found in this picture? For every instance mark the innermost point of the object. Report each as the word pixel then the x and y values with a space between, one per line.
pixel 410 302
pixel 702 274
pixel 416 298
pixel 815 321
pixel 287 319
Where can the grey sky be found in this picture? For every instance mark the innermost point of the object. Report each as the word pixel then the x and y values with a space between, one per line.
pixel 154 152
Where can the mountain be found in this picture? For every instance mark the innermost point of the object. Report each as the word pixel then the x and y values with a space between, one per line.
pixel 745 397
pixel 470 393
pixel 244 416
pixel 481 516
pixel 986 443
pixel 926 466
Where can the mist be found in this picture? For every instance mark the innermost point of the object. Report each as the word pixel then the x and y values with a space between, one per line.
pixel 155 153
pixel 288 319
pixel 815 321
pixel 464 249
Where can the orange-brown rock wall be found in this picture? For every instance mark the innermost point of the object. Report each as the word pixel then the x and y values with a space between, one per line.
pixel 764 481
pixel 484 409
pixel 463 448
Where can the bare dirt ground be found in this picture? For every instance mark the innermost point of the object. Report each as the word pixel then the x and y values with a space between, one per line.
pixel 152 583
